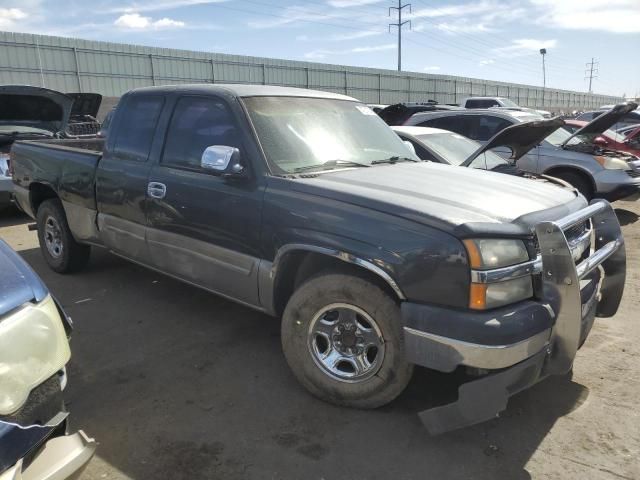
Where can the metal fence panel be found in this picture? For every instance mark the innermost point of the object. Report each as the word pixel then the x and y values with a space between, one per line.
pixel 111 69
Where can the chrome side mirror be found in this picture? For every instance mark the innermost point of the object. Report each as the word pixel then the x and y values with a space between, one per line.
pixel 218 157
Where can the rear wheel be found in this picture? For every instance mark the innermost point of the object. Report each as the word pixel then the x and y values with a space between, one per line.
pixel 342 338
pixel 579 181
pixel 60 250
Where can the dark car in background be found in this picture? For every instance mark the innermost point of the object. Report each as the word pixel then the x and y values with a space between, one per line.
pixel 34 350
pixel 399 113
pixel 83 120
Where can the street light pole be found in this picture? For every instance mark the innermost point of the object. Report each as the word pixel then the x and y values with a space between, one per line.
pixel 543 52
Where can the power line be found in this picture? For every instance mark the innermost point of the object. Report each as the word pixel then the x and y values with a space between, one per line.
pixel 399 25
pixel 591 72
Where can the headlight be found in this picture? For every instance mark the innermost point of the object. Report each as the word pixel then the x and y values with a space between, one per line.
pixel 611 163
pixel 492 295
pixel 485 254
pixel 495 253
pixel 33 347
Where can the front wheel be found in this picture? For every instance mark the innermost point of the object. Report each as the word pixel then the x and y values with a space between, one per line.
pixel 60 250
pixel 342 338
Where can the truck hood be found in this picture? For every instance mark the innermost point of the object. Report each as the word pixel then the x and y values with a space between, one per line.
pixel 85 104
pixel 443 196
pixel 18 283
pixel 34 107
pixel 520 138
pixel 602 122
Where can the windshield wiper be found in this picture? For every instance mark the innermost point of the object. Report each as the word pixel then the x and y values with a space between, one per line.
pixel 329 164
pixel 393 160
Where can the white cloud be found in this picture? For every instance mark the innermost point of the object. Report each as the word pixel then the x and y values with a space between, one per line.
pixel 159 5
pixel 614 16
pixel 433 68
pixel 460 10
pixel 463 27
pixel 351 3
pixel 484 63
pixel 8 16
pixel 135 21
pixel 524 46
pixel 324 53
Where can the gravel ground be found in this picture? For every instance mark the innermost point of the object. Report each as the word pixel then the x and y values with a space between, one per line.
pixel 176 384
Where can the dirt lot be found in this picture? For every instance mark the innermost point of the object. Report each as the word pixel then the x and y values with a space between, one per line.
pixel 178 384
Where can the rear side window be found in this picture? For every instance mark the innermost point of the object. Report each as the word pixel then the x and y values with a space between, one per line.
pixel 137 127
pixel 198 123
pixel 485 103
pixel 458 124
pixel 488 126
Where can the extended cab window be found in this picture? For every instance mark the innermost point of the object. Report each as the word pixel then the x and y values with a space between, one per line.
pixel 198 123
pixel 137 127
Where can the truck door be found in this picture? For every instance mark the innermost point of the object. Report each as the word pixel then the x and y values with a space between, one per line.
pixel 202 227
pixel 121 179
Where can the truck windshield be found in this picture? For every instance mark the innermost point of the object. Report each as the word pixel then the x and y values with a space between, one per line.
pixel 298 133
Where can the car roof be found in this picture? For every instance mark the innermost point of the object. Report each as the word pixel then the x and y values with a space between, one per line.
pixel 484 98
pixel 243 91
pixel 418 131
pixel 506 114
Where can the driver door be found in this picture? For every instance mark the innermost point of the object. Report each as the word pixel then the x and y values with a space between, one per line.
pixel 202 227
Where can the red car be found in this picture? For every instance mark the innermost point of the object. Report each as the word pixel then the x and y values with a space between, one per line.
pixel 626 140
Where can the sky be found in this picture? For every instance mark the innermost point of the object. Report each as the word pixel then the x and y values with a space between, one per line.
pixel 489 39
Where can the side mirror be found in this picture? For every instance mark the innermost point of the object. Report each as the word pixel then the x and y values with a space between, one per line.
pixel 601 141
pixel 222 160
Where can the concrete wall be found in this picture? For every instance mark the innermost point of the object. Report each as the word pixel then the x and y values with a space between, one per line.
pixel 72 65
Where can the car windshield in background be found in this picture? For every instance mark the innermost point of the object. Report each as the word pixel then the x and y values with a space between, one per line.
pixel 301 134
pixel 558 137
pixel 456 149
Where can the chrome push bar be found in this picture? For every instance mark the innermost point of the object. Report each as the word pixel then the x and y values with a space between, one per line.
pixel 561 276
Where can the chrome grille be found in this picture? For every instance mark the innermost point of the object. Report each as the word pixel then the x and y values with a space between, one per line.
pixel 633 173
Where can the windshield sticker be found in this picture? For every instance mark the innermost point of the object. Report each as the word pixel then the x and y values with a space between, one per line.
pixel 365 110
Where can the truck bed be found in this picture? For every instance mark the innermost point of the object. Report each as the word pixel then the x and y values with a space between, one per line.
pixel 66 166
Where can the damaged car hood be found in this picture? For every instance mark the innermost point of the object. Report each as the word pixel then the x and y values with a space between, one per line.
pixel 436 195
pixel 601 123
pixel 520 138
pixel 34 107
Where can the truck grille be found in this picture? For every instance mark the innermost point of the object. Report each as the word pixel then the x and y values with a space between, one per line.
pixel 633 173
pixel 572 234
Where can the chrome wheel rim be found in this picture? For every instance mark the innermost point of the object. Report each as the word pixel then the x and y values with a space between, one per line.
pixel 346 342
pixel 53 237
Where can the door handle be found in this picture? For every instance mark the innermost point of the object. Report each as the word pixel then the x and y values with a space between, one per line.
pixel 156 190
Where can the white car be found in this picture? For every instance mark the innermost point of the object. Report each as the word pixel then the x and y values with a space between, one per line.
pixel 498 102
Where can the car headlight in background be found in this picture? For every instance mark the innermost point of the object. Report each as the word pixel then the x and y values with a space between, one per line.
pixel 485 254
pixel 33 347
pixel 612 163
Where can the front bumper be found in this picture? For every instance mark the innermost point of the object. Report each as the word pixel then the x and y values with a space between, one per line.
pixel 522 343
pixel 613 185
pixel 43 455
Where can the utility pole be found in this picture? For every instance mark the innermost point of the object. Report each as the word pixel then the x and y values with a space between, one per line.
pixel 400 23
pixel 591 72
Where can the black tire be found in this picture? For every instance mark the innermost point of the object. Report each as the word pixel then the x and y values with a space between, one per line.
pixel 72 255
pixel 393 371
pixel 579 181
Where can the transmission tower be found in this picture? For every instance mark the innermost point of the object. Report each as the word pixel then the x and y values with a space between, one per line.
pixel 591 71
pixel 399 24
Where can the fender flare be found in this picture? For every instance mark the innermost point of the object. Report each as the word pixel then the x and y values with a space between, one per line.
pixel 269 270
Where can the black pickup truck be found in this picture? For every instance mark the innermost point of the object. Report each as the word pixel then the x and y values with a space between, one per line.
pixel 306 206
